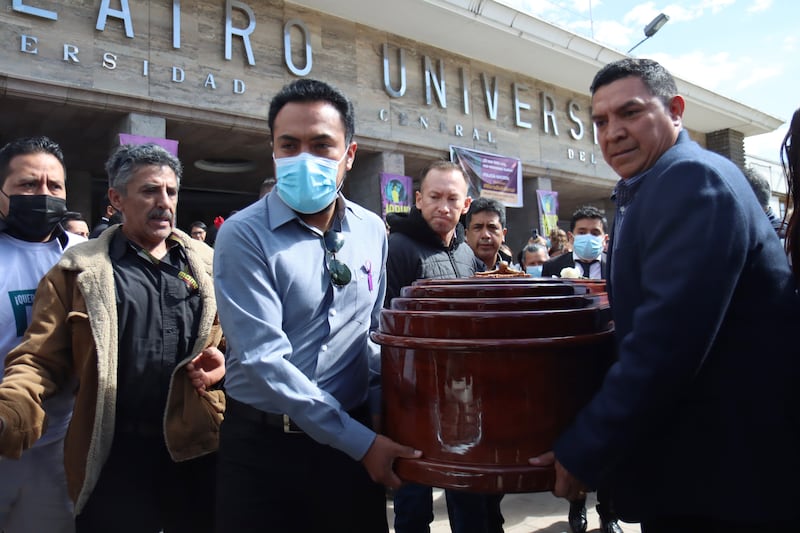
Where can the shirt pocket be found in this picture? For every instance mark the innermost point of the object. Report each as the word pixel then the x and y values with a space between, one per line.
pixel 366 278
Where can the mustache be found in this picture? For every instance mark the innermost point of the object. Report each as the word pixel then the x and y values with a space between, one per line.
pixel 159 214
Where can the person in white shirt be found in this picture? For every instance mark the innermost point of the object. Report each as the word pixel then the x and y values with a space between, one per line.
pixel 33 492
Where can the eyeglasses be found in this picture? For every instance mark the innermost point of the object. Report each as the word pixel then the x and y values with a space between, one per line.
pixel 340 273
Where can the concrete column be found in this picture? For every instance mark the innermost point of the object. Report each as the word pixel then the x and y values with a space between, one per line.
pixel 521 220
pixel 79 193
pixel 138 124
pixel 363 185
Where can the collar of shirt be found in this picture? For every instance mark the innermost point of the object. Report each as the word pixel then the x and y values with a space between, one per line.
pixel 625 190
pixel 120 244
pixel 595 268
pixel 495 266
pixel 279 213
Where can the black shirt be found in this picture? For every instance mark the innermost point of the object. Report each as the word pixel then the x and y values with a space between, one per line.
pixel 159 316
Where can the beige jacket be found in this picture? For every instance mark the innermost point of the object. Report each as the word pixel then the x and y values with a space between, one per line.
pixel 73 332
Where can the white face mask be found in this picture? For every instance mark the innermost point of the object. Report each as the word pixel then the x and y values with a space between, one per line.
pixel 587 247
pixel 534 270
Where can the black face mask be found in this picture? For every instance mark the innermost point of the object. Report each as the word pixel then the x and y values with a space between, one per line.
pixel 32 217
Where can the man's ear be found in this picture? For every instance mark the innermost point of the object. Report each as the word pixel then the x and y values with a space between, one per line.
pixel 467 203
pixel 570 237
pixel 115 198
pixel 351 155
pixel 676 106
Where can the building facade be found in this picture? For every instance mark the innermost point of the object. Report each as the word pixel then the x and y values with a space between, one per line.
pixel 424 75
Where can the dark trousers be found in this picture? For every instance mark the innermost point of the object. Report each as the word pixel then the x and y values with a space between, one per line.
pixel 289 483
pixel 474 513
pixel 142 490
pixel 696 524
pixel 413 508
pixel 605 507
pixel 467 512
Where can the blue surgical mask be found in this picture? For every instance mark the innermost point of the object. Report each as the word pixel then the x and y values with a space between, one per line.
pixel 535 271
pixel 587 247
pixel 307 183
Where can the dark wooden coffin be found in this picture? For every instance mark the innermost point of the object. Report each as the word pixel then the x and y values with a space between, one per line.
pixel 482 385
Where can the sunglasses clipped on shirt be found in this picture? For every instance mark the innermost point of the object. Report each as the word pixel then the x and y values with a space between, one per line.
pixel 340 273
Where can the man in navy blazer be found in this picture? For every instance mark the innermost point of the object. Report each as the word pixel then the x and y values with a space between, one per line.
pixel 695 427
pixel 588 237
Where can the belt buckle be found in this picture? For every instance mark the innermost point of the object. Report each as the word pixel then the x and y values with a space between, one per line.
pixel 287 425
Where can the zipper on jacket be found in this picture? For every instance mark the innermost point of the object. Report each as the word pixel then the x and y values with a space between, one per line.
pixel 453 262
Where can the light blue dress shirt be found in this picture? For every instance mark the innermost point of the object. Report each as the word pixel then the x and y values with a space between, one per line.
pixel 297 344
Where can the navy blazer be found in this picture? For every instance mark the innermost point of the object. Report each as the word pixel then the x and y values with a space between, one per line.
pixel 699 415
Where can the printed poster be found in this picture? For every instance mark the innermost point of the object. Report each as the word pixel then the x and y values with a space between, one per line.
pixel 395 193
pixel 491 175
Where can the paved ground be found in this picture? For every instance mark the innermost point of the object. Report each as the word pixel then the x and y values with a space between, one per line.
pixel 524 513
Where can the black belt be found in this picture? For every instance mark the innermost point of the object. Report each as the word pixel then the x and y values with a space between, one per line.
pixel 281 421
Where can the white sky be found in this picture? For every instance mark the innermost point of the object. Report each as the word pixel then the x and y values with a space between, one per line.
pixel 745 50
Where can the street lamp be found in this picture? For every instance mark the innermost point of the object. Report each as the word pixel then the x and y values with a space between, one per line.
pixel 651 29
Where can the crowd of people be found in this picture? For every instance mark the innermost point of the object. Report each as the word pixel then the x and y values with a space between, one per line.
pixel 124 407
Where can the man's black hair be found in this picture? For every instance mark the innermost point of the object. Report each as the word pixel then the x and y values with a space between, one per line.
pixel 310 90
pixel 656 78
pixel 760 186
pixel 588 211
pixel 487 204
pixel 25 146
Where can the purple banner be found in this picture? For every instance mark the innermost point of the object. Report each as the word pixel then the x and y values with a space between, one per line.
pixel 490 175
pixel 167 144
pixel 395 193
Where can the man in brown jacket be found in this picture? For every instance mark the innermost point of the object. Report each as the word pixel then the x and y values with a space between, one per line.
pixel 131 315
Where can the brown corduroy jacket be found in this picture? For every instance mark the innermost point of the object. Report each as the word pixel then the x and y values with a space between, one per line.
pixel 73 332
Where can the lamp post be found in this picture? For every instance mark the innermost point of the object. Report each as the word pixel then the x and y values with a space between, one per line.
pixel 651 29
